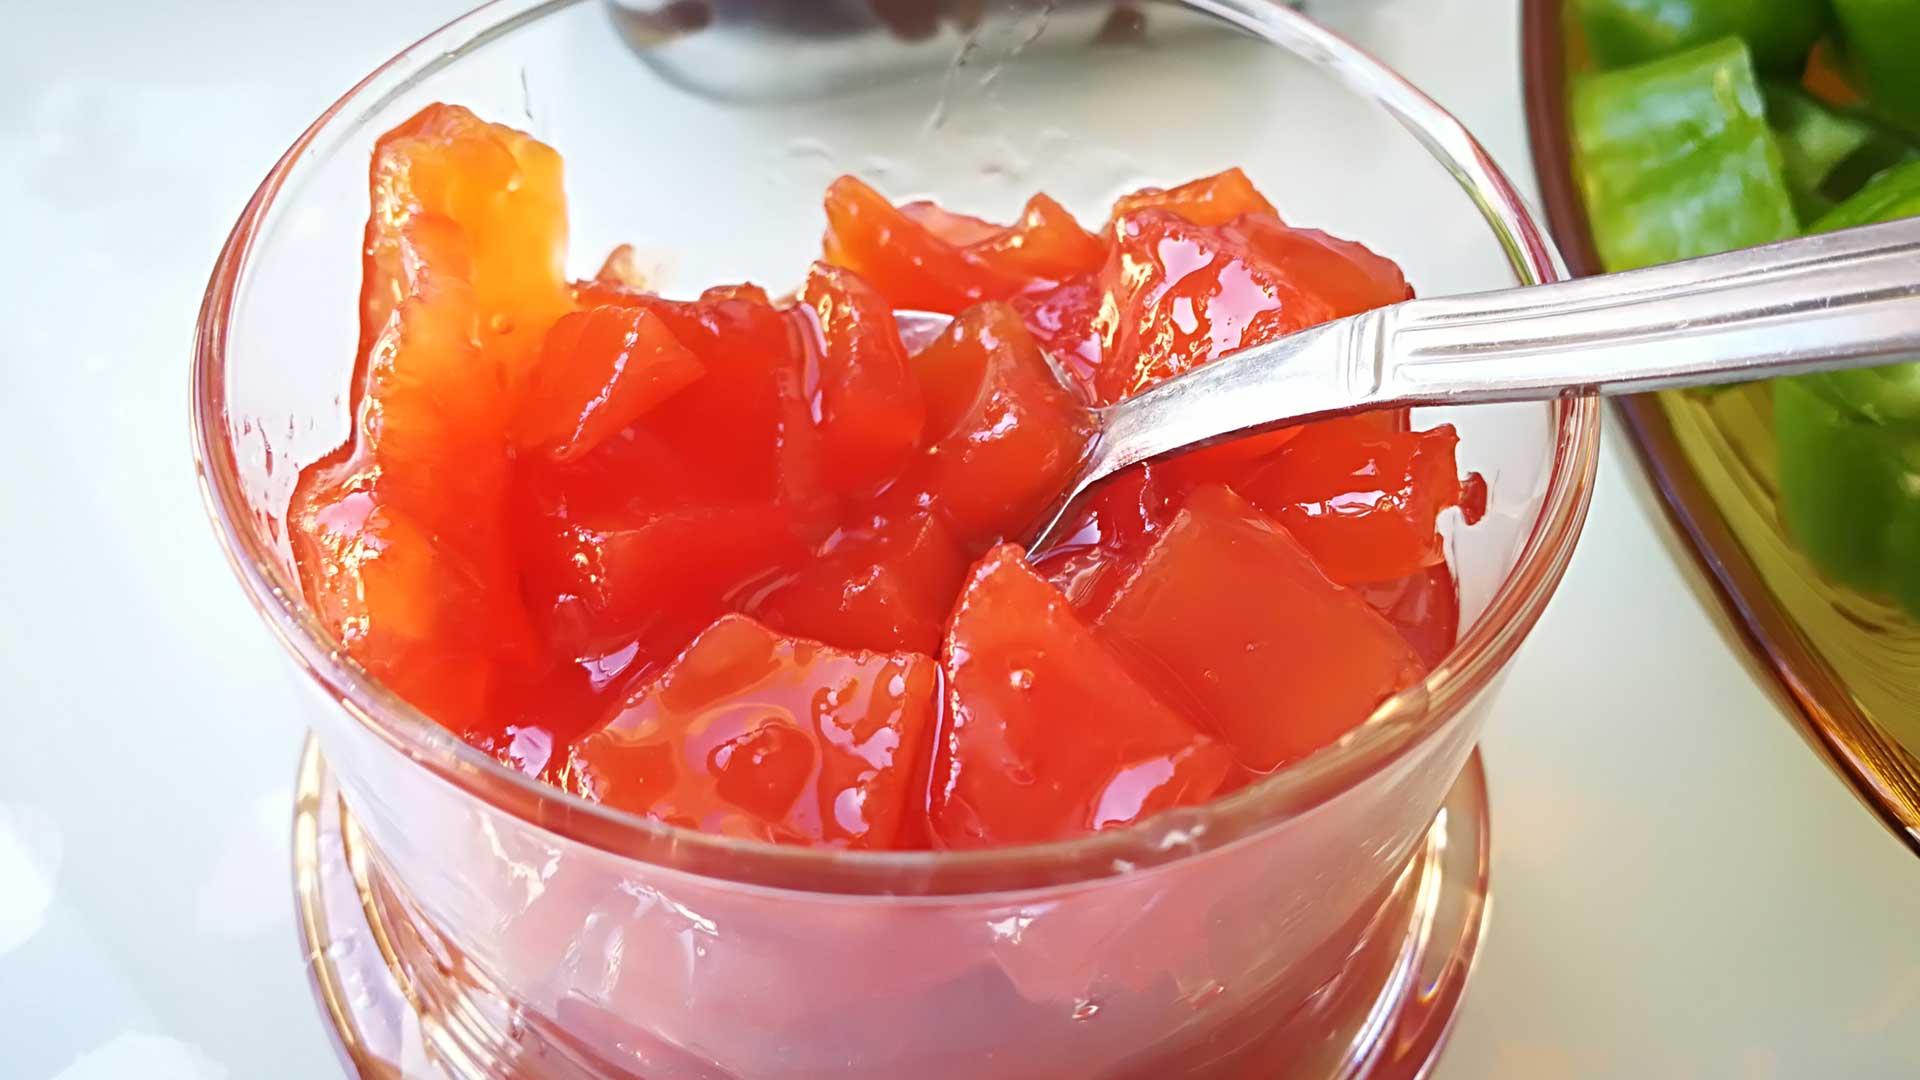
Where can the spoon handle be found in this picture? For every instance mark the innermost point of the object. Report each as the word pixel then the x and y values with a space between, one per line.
pixel 1839 299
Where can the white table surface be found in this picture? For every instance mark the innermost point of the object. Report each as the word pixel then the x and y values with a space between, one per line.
pixel 1681 889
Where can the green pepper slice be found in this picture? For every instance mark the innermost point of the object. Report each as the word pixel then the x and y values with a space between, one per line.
pixel 1675 158
pixel 1883 43
pixel 1780 32
pixel 1894 193
pixel 1827 154
pixel 1850 442
pixel 1850 492
pixel 1888 394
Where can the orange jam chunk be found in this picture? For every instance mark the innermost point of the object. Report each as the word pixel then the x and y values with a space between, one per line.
pixel 596 581
pixel 1046 244
pixel 1362 500
pixel 399 533
pixel 1229 618
pixel 1424 607
pixel 1049 733
pixel 501 187
pixel 1003 435
pixel 1183 295
pixel 745 430
pixel 694 559
pixel 599 371
pixel 863 392
pixel 925 259
pixel 1210 200
pixel 754 734
pixel 884 588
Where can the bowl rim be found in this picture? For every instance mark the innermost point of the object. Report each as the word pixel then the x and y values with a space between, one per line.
pixel 1812 694
pixel 1402 723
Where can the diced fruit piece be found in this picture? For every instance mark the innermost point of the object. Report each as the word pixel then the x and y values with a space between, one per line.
pixel 745 291
pixel 865 398
pixel 744 431
pixel 956 229
pixel 1363 501
pixel 1424 607
pixel 622 267
pixel 1004 435
pixel 1046 244
pixel 447 447
pixel 1224 463
pixel 537 717
pixel 757 735
pixel 632 473
pixel 596 582
pixel 1107 531
pixel 501 188
pixel 1122 513
pixel 399 537
pixel 927 259
pixel 1348 276
pixel 888 588
pixel 1048 733
pixel 1063 319
pixel 1182 295
pixel 600 370
pixel 914 267
pixel 1229 618
pixel 411 610
pixel 1210 200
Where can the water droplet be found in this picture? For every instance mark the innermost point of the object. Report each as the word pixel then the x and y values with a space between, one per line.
pixel 500 323
pixel 1020 679
pixel 1086 1009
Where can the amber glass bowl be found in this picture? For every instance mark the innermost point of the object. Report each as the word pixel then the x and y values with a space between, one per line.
pixel 1847 665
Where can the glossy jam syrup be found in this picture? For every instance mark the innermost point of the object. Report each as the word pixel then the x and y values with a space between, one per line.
pixel 738 564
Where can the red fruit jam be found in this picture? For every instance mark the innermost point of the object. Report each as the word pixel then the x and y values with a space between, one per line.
pixel 742 565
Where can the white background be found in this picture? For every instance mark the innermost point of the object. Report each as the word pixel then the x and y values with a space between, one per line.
pixel 1681 889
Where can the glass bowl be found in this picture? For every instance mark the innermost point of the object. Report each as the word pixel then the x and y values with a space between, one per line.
pixel 1843 663
pixel 1282 931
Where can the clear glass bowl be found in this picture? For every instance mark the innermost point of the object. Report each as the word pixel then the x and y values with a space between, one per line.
pixel 541 935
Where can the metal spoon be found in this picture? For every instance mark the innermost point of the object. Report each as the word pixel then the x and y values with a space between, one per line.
pixel 1836 300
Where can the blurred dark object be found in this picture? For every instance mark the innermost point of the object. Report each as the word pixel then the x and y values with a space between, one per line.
pixel 837 46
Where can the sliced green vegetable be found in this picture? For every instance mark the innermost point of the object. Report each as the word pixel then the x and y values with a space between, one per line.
pixel 1675 159
pixel 1882 40
pixel 1826 153
pixel 1888 394
pixel 1850 491
pixel 1893 194
pixel 1850 442
pixel 1780 32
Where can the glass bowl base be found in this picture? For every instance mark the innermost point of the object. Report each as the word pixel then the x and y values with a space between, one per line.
pixel 399 1009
